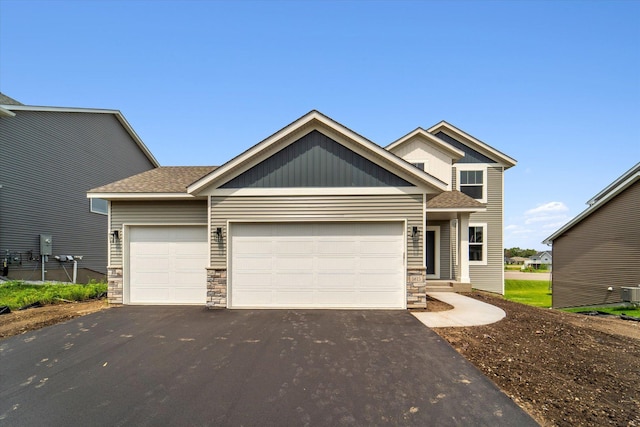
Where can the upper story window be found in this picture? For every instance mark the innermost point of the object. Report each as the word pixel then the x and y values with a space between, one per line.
pixel 100 206
pixel 472 181
pixel 419 165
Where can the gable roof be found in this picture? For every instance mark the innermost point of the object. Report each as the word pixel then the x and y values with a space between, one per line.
pixel 314 120
pixel 603 197
pixel 473 143
pixel 117 114
pixel 455 153
pixel 170 181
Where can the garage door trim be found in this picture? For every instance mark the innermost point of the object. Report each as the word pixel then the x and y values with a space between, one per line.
pixel 229 252
pixel 126 253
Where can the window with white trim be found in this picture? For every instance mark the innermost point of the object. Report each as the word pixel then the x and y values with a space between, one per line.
pixel 472 181
pixel 420 164
pixel 99 206
pixel 478 244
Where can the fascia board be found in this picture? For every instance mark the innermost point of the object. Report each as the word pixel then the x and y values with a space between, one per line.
pixel 141 196
pixel 474 142
pixel 470 210
pixel 5 112
pixel 591 209
pixel 123 122
pixel 308 121
pixel 614 184
pixel 448 149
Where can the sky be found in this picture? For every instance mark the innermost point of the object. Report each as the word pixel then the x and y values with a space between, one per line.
pixel 555 85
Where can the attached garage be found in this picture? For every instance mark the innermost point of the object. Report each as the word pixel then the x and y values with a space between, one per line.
pixel 317 265
pixel 167 264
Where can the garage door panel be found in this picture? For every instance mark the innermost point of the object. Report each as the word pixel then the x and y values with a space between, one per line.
pixel 317 265
pixel 167 265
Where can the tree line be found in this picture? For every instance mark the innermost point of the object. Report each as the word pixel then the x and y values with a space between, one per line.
pixel 524 253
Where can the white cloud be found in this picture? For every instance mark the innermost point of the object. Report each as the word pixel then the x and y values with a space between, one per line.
pixel 548 208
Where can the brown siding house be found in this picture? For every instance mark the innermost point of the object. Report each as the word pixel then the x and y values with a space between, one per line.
pixel 598 252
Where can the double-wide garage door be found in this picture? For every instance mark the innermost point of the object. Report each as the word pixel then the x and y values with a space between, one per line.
pixel 167 265
pixel 317 265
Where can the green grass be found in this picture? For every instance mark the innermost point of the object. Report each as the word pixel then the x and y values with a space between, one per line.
pixel 531 292
pixel 16 294
pixel 629 311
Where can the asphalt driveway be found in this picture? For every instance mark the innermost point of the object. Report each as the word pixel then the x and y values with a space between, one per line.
pixel 190 366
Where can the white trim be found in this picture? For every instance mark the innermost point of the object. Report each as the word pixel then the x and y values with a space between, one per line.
pixel 473 167
pixel 594 207
pixel 310 191
pixel 126 251
pixel 436 250
pixel 142 196
pixel 456 210
pixel 473 142
pixel 314 120
pixel 634 170
pixel 485 244
pixel 125 124
pixel 6 113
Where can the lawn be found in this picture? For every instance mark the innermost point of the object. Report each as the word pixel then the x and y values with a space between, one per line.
pixel 531 292
pixel 16 294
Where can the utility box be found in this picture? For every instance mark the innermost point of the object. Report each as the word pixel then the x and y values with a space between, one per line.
pixel 630 294
pixel 46 244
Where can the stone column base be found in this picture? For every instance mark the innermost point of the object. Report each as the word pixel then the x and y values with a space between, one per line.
pixel 216 288
pixel 416 287
pixel 114 284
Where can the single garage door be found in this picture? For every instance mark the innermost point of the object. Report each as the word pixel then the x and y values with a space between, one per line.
pixel 317 265
pixel 167 265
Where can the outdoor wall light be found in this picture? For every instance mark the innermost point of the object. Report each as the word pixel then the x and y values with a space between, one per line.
pixel 115 235
pixel 414 232
pixel 218 234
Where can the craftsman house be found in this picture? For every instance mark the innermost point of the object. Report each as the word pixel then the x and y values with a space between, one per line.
pixel 50 157
pixel 314 216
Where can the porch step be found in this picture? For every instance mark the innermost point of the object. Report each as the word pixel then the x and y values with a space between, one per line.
pixel 447 286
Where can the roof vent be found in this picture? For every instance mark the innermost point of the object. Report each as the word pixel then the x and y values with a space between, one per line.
pixel 630 294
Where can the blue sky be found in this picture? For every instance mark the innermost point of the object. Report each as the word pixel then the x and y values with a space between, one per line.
pixel 555 85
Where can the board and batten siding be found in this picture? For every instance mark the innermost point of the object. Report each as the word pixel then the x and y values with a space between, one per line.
pixel 600 251
pixel 152 212
pixel 490 277
pixel 320 209
pixel 49 160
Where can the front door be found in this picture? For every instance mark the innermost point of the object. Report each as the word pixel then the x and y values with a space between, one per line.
pixel 431 252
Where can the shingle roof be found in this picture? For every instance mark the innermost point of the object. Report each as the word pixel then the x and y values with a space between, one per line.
pixel 453 200
pixel 5 100
pixel 164 179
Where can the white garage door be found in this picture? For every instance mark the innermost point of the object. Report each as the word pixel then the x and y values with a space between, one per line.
pixel 167 265
pixel 317 265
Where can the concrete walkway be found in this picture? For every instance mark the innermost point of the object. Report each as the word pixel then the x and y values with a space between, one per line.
pixel 466 312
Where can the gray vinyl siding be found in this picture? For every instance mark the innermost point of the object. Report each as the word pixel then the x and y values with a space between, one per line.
pixel 321 208
pixel 316 160
pixel 48 162
pixel 153 212
pixel 470 155
pixel 600 251
pixel 490 277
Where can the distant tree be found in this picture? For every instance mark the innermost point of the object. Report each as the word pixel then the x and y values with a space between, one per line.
pixel 517 252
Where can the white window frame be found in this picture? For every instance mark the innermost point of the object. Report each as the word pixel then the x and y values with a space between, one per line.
pixel 484 227
pixel 473 167
pixel 94 210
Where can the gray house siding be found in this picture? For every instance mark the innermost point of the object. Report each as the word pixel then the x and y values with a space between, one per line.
pixel 153 212
pixel 322 208
pixel 49 161
pixel 316 160
pixel 484 276
pixel 470 155
pixel 600 251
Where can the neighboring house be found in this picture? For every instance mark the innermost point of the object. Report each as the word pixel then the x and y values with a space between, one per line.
pixel 50 157
pixel 314 216
pixel 539 259
pixel 597 252
pixel 517 260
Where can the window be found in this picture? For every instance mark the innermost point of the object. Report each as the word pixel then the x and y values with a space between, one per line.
pixel 100 206
pixel 419 165
pixel 471 183
pixel 477 244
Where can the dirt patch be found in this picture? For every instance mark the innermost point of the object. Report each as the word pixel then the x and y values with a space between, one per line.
pixel 563 368
pixel 19 322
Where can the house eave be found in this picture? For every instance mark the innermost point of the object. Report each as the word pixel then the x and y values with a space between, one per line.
pixel 454 210
pixel 121 119
pixel 453 152
pixel 6 113
pixel 143 196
